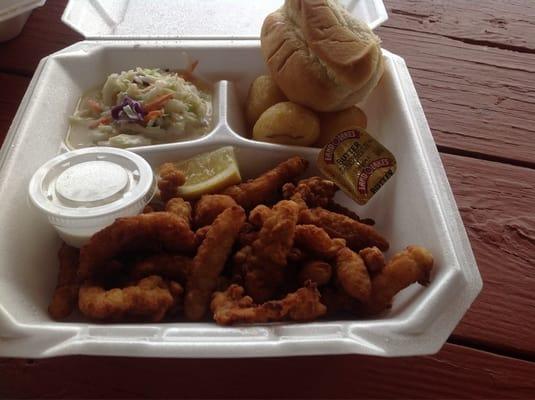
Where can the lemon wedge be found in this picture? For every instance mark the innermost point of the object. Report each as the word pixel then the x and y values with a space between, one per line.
pixel 209 173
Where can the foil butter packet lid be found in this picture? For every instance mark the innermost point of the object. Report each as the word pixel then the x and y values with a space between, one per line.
pixel 357 163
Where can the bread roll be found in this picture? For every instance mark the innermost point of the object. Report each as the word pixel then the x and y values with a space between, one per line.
pixel 287 123
pixel 263 93
pixel 319 55
pixel 333 123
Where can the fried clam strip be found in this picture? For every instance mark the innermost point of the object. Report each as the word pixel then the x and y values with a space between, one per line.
pixel 170 266
pixel 373 258
pixel 352 275
pixel 210 260
pixel 340 209
pixel 200 234
pixel 209 206
pixel 414 264
pixel 264 267
pixel 180 208
pixel 258 215
pixel 158 231
pixel 149 300
pixel 248 234
pixel 356 234
pixel 232 307
pixel 66 292
pixel 316 271
pixel 314 191
pixel 316 241
pixel 266 186
pixel 170 178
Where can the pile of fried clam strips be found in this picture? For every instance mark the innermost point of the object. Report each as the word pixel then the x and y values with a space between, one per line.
pixel 270 249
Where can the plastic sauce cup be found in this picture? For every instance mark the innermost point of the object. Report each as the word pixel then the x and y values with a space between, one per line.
pixel 83 191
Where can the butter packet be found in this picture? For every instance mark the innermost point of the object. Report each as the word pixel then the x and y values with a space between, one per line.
pixel 357 163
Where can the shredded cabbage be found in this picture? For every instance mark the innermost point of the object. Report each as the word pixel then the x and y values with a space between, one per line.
pixel 144 106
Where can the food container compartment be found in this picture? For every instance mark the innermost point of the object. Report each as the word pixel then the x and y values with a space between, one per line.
pixel 13 16
pixel 415 206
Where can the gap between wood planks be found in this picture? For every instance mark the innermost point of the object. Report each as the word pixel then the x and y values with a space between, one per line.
pixel 475 42
pixel 486 157
pixel 498 350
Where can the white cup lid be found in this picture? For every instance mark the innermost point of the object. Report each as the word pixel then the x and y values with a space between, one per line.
pixel 91 183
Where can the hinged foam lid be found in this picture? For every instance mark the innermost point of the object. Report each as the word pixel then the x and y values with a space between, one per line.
pixel 188 19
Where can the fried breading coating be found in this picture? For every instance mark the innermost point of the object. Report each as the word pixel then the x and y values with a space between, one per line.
pixel 340 209
pixel 264 268
pixel 180 207
pixel 158 231
pixel 315 271
pixel 373 258
pixel 414 264
pixel 232 307
pixel 352 275
pixel 170 178
pixel 248 234
pixel 66 293
pixel 296 256
pixel 314 191
pixel 154 206
pixel 266 186
pixel 356 234
pixel 210 260
pixel 166 265
pixel 316 241
pixel 209 206
pixel 149 300
pixel 337 300
pixel 200 234
pixel 259 214
pixel 148 209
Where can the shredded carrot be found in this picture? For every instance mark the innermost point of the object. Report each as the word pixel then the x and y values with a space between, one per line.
pixel 158 102
pixel 100 121
pixel 94 106
pixel 188 73
pixel 153 115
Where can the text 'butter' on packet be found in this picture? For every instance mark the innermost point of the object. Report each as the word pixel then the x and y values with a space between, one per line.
pixel 357 163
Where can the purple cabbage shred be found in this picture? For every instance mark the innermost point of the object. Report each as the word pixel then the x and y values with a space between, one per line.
pixel 118 114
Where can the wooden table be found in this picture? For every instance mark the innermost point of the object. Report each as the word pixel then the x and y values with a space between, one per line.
pixel 473 63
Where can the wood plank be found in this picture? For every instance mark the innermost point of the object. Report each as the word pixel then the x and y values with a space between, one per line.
pixel 13 88
pixel 43 34
pixel 456 372
pixel 498 23
pixel 476 99
pixel 497 204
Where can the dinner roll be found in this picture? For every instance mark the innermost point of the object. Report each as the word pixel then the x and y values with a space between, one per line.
pixel 319 55
pixel 263 93
pixel 287 123
pixel 333 123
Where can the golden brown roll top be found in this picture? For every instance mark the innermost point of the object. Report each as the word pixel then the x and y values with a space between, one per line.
pixel 319 55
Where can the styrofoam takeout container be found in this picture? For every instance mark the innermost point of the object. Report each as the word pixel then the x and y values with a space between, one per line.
pixel 415 207
pixel 13 16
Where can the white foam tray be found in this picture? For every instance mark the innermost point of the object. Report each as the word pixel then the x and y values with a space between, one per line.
pixel 184 19
pixel 415 206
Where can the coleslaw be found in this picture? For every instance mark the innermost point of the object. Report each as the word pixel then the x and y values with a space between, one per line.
pixel 140 107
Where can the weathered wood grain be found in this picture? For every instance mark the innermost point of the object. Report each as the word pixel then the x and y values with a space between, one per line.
pixel 454 373
pixel 43 34
pixel 476 99
pixel 13 88
pixel 497 204
pixel 496 23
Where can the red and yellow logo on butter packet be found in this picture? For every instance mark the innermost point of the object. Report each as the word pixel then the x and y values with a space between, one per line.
pixel 357 163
